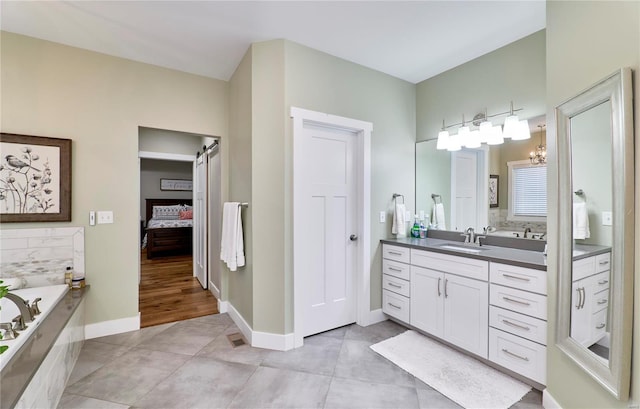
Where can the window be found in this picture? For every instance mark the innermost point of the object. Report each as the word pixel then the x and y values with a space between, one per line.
pixel 527 191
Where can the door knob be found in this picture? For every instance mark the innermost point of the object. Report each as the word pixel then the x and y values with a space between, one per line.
pixel 353 237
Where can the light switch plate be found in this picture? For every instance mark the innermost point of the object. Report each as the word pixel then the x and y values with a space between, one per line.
pixel 105 217
pixel 383 216
pixel 421 214
pixel 607 218
pixel 92 218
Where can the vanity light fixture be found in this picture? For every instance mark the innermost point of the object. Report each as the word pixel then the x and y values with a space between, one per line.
pixel 539 156
pixel 486 132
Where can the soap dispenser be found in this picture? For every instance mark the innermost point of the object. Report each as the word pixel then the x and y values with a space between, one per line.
pixel 415 230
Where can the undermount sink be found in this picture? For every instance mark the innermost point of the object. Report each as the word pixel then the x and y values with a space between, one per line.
pixel 466 249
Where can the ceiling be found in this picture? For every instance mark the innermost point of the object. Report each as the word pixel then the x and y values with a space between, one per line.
pixel 412 40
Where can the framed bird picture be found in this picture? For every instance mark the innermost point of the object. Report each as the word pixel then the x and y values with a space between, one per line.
pixel 35 179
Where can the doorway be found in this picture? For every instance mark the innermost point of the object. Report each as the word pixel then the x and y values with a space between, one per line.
pixel 174 227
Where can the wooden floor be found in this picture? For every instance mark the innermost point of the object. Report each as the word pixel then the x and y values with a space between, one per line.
pixel 169 292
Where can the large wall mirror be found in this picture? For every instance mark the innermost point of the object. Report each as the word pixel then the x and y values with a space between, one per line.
pixel 475 186
pixel 595 230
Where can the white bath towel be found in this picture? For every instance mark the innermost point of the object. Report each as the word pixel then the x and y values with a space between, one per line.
pixel 580 221
pixel 232 240
pixel 438 217
pixel 399 226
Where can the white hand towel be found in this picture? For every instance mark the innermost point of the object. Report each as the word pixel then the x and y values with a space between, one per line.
pixel 580 221
pixel 399 226
pixel 438 217
pixel 232 240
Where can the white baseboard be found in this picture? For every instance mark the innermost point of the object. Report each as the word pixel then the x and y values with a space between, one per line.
pixel 240 322
pixel 377 316
pixel 548 402
pixel 214 290
pixel 104 328
pixel 223 306
pixel 267 340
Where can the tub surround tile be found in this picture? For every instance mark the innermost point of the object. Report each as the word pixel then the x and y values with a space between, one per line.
pixel 39 257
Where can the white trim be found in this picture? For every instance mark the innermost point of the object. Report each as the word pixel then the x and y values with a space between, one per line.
pixel 363 284
pixel 376 316
pixel 548 401
pixel 166 156
pixel 214 290
pixel 223 306
pixel 257 339
pixel 277 342
pixel 240 322
pixel 118 326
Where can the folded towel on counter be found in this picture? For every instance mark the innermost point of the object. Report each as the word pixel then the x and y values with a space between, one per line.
pixel 232 240
pixel 580 221
pixel 438 217
pixel 399 226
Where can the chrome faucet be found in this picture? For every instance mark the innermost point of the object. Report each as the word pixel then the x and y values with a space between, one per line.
pixel 526 231
pixel 469 236
pixel 26 311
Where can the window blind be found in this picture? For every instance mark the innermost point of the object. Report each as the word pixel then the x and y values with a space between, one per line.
pixel 530 191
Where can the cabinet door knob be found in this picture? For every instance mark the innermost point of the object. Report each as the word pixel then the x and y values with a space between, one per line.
pixel 353 237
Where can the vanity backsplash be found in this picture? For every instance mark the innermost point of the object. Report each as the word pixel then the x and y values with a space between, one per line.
pixel 498 219
pixel 39 257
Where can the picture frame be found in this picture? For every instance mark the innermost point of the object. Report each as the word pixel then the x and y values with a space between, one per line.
pixel 35 178
pixel 176 184
pixel 494 187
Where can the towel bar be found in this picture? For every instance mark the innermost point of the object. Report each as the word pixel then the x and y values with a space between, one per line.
pixel 436 198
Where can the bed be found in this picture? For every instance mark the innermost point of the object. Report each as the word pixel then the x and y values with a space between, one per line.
pixel 166 234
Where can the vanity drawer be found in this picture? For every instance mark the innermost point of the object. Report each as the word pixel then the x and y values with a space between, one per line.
pixel 395 305
pixel 396 285
pixel 397 253
pixel 601 282
pixel 600 300
pixel 519 277
pixel 603 262
pixel 463 266
pixel 396 269
pixel 520 355
pixel 584 268
pixel 534 305
pixel 599 322
pixel 524 326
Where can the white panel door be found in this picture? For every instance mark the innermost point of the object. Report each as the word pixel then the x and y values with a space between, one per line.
pixel 328 251
pixel 200 220
pixel 465 189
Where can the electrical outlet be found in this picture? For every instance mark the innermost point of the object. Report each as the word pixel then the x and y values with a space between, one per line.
pixel 607 218
pixel 383 216
pixel 105 217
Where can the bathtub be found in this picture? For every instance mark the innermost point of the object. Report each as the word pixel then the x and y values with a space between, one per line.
pixel 50 296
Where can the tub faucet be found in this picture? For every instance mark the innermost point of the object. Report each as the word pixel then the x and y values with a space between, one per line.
pixel 23 305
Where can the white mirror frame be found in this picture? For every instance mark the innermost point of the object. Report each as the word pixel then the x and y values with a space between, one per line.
pixel 617 88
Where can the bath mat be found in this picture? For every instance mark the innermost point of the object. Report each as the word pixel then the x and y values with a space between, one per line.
pixel 463 379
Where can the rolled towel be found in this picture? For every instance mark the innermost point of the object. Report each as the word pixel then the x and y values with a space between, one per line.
pixel 399 226
pixel 580 221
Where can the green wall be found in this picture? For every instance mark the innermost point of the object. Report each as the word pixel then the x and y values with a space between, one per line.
pixel 586 41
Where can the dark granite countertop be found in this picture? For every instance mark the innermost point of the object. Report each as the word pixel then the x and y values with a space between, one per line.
pixel 19 371
pixel 513 256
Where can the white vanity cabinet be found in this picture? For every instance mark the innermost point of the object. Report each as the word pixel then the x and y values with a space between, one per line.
pixel 395 281
pixel 518 319
pixel 449 299
pixel 590 299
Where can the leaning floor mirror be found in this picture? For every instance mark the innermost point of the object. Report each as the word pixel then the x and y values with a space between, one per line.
pixel 595 159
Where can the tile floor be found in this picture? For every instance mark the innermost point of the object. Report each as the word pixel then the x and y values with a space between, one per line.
pixel 191 364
